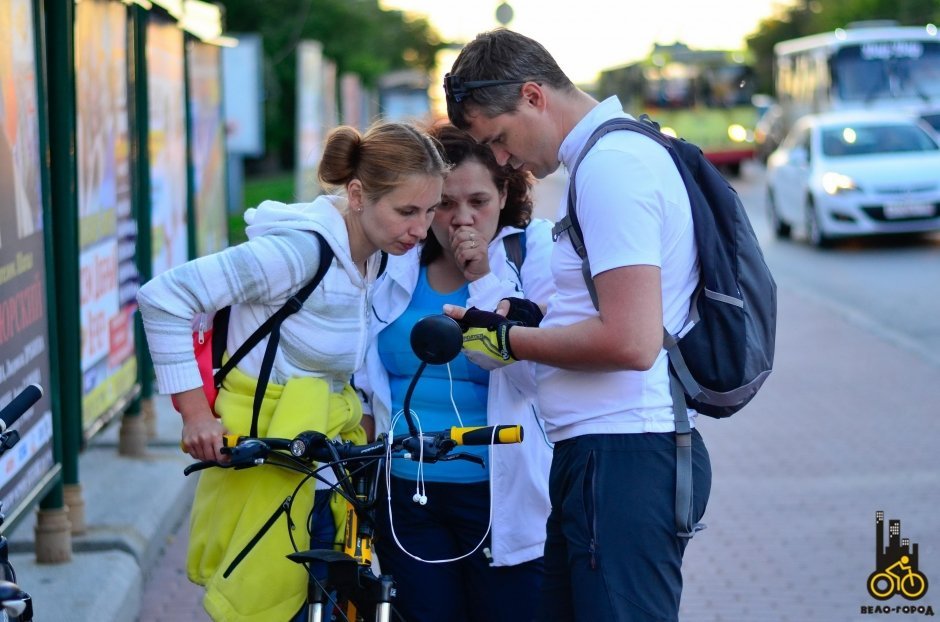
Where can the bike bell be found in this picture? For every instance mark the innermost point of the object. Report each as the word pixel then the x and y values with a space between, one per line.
pixel 436 339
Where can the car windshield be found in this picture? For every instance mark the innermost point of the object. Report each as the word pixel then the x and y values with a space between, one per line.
pixel 933 119
pixel 857 140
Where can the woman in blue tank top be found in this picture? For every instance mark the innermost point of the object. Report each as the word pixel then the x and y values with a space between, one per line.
pixel 445 511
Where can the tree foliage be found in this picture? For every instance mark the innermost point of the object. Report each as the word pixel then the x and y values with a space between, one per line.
pixel 807 17
pixel 358 35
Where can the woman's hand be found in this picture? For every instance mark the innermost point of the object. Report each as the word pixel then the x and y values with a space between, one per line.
pixel 471 250
pixel 202 431
pixel 368 425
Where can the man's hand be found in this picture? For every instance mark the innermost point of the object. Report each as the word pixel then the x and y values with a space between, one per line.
pixel 521 311
pixel 486 338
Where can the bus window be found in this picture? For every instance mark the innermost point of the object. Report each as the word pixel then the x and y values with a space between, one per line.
pixel 869 71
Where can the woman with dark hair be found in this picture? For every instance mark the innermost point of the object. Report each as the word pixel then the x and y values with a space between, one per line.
pixel 488 522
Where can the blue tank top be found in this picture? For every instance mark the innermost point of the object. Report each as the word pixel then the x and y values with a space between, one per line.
pixel 431 399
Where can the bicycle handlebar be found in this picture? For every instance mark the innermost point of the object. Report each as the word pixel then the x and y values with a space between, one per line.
pixel 13 600
pixel 435 339
pixel 308 447
pixel 19 405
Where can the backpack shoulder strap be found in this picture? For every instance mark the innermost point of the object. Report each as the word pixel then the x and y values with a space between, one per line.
pixel 219 334
pixel 272 327
pixel 383 263
pixel 570 222
pixel 293 304
pixel 515 249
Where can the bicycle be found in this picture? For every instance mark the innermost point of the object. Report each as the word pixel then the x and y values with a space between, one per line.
pixel 15 604
pixel 351 587
pixel 888 582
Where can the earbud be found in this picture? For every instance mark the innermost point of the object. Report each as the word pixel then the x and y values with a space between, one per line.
pixel 419 498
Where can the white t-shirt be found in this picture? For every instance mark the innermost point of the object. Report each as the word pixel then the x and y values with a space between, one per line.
pixel 634 210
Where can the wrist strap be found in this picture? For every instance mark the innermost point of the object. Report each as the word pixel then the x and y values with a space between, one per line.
pixel 503 332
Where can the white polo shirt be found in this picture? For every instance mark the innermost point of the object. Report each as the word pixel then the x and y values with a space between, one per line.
pixel 634 210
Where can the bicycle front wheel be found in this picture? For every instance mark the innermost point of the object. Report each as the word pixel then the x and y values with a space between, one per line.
pixel 913 586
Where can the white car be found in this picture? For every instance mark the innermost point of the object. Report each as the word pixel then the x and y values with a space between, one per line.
pixel 843 174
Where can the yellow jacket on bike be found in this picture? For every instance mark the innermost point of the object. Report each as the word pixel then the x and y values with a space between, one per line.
pixel 239 533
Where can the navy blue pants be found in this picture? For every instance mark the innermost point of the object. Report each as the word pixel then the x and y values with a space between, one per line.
pixel 612 552
pixel 451 524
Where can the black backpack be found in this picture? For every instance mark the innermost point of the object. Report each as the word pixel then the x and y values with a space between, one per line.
pixel 726 351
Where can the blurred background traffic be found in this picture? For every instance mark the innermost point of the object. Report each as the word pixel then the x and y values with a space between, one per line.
pixel 134 133
pixel 735 88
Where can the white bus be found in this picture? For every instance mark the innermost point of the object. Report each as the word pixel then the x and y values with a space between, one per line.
pixel 864 65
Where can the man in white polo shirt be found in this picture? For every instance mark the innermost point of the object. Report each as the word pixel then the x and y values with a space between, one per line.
pixel 612 551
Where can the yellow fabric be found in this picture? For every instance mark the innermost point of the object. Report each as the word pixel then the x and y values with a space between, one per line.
pixel 231 507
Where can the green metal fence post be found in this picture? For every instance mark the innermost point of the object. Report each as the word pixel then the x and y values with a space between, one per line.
pixel 53 516
pixel 193 240
pixel 139 422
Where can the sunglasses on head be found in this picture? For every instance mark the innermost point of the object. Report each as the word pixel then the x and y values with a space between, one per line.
pixel 456 89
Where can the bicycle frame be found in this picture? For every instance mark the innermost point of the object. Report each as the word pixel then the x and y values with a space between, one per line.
pixel 357 469
pixel 357 586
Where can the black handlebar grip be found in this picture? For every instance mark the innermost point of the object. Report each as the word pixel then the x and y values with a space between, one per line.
pixel 20 404
pixel 483 435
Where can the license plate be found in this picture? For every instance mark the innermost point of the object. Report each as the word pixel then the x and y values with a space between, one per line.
pixel 908 210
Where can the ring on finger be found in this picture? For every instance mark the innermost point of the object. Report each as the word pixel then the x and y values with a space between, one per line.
pixel 473 243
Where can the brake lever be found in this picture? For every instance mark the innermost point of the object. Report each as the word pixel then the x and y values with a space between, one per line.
pixel 430 448
pixel 8 439
pixel 204 464
pixel 463 456
pixel 245 455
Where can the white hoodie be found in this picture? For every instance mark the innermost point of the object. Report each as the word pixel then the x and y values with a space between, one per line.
pixel 519 473
pixel 327 338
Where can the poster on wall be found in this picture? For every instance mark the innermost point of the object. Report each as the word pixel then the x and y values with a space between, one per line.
pixel 24 332
pixel 351 96
pixel 207 146
pixel 167 116
pixel 330 86
pixel 243 95
pixel 311 128
pixel 107 229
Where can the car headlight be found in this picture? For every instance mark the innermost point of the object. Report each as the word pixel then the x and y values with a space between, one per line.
pixel 834 183
pixel 737 133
